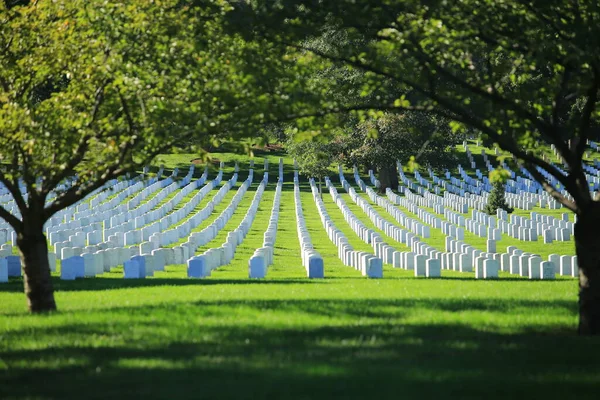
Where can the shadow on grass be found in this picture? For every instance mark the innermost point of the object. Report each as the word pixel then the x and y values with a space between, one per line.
pixel 173 352
pixel 106 283
pixel 16 284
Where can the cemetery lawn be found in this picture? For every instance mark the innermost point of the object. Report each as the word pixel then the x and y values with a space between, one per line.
pixel 170 337
pixel 288 337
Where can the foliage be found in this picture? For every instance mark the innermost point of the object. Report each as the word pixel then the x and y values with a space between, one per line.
pixel 515 71
pixel 519 72
pixel 377 142
pixel 496 200
pixel 314 157
pixel 94 89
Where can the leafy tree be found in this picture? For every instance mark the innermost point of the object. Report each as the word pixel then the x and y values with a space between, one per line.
pixel 92 90
pixel 314 158
pixel 517 71
pixel 496 199
pixel 379 142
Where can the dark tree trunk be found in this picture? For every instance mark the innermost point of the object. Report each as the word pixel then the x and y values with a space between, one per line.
pixel 320 189
pixel 36 270
pixel 388 178
pixel 587 246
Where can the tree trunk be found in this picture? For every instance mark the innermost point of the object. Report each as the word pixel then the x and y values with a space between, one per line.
pixel 36 270
pixel 388 177
pixel 587 246
pixel 320 189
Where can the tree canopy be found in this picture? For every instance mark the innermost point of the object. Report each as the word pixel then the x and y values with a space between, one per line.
pixel 521 72
pixel 91 90
pixel 517 71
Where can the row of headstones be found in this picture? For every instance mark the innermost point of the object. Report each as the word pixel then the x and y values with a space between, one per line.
pixel 430 266
pixel 7 201
pixel 77 239
pixel 518 232
pixel 202 265
pixel 357 225
pixel 591 177
pixel 201 238
pixel 183 222
pixel 142 188
pixel 137 267
pixel 529 185
pixel 117 206
pixel 263 256
pixel 96 198
pixel 162 218
pixel 96 203
pixel 312 261
pixel 388 203
pixel 49 225
pixel 514 261
pixel 93 264
pixel 390 229
pixel 456 221
pixel 484 225
pixel 137 263
pixel 528 229
pixel 366 263
pixel 409 223
pixel 427 265
pixel 61 232
pixel 524 196
pixel 155 220
pixel 486 269
pixel 447 201
pixel 147 213
pixel 136 231
pixel 156 240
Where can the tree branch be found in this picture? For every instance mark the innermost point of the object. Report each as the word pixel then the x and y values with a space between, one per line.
pixel 492 96
pixel 588 110
pixel 15 192
pixel 82 146
pixel 571 205
pixel 11 219
pixel 558 99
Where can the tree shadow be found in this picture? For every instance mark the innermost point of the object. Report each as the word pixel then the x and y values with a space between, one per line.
pixel 194 351
pixel 87 284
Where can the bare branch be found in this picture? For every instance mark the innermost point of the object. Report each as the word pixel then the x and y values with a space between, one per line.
pixel 15 192
pixel 492 96
pixel 571 205
pixel 82 146
pixel 588 110
pixel 11 219
pixel 560 95
pixel 128 117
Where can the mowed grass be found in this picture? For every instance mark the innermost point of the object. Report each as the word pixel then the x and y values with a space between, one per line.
pixel 288 337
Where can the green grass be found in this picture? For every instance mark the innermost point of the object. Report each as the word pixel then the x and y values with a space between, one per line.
pixel 287 337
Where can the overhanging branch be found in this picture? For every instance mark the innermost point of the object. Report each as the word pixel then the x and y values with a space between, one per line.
pixel 11 219
pixel 571 205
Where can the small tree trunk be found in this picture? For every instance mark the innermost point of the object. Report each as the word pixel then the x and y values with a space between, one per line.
pixel 388 177
pixel 36 270
pixel 320 189
pixel 587 246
